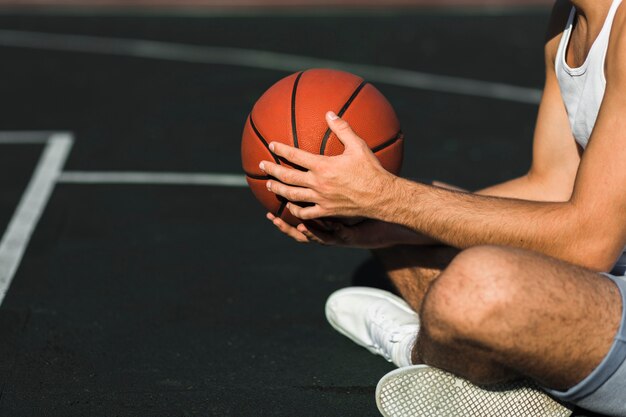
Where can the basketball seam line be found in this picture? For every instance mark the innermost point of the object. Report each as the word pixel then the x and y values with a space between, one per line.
pixel 262 139
pixel 257 177
pixel 294 131
pixel 340 114
pixel 279 213
pixel 281 208
pixel 388 143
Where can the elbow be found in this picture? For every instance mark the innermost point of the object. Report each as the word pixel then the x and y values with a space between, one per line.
pixel 590 238
pixel 600 264
pixel 596 254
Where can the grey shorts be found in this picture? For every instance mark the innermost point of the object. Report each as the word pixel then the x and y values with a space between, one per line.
pixel 604 390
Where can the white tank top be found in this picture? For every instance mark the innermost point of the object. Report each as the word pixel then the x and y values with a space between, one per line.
pixel 583 88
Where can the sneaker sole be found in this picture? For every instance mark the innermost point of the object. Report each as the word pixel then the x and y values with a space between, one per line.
pixel 422 391
pixel 399 302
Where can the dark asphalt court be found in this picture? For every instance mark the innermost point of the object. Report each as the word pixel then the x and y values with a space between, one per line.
pixel 182 300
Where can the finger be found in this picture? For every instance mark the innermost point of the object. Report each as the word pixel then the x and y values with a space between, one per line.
pixel 317 235
pixel 284 174
pixel 288 229
pixel 321 224
pixel 294 155
pixel 312 236
pixel 342 129
pixel 305 213
pixel 290 192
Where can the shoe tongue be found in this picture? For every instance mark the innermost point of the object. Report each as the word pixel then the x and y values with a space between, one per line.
pixel 382 326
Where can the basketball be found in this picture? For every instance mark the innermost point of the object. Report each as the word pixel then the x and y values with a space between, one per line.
pixel 293 112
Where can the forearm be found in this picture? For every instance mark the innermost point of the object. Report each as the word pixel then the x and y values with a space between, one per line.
pixel 529 187
pixel 520 188
pixel 407 236
pixel 463 220
pixel 524 188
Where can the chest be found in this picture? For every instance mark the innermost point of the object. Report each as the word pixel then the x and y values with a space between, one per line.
pixel 580 71
pixel 581 40
pixel 577 49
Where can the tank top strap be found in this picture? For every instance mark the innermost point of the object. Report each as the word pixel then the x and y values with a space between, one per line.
pixel 565 37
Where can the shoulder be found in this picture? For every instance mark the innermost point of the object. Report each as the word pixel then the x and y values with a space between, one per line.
pixel 558 19
pixel 615 65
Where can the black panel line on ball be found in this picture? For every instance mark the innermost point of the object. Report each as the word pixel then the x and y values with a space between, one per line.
pixel 262 139
pixel 294 131
pixel 257 177
pixel 388 143
pixel 281 208
pixel 340 114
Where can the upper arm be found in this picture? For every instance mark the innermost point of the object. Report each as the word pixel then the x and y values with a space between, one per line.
pixel 556 155
pixel 600 190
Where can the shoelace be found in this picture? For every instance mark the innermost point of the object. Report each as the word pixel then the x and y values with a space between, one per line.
pixel 385 332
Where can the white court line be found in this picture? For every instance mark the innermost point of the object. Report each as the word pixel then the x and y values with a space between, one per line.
pixel 19 138
pixel 153 178
pixel 265 60
pixel 191 12
pixel 31 206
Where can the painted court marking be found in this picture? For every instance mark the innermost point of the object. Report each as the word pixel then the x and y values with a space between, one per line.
pixel 48 172
pixel 263 59
pixel 153 178
pixel 31 206
pixel 23 138
pixel 504 8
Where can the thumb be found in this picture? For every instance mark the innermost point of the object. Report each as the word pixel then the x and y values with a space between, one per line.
pixel 342 129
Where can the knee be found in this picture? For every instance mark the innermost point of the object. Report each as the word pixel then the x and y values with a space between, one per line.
pixel 470 300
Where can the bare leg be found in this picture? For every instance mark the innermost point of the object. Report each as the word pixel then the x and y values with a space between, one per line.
pixel 412 269
pixel 498 313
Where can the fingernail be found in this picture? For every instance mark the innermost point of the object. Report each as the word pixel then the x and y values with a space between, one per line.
pixel 272 146
pixel 262 166
pixel 269 185
pixel 332 116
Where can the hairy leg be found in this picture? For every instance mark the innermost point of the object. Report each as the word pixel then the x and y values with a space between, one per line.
pixel 411 269
pixel 497 313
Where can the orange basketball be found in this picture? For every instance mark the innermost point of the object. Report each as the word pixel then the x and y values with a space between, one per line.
pixel 293 111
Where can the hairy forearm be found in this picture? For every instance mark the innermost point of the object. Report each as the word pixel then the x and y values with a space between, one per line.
pixel 463 220
pixel 524 187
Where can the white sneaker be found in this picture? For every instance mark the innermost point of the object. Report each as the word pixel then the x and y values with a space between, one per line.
pixel 422 391
pixel 375 319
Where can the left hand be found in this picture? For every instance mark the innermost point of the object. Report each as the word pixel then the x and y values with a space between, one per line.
pixel 346 185
pixel 367 234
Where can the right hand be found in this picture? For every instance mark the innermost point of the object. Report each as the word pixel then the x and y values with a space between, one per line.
pixel 368 234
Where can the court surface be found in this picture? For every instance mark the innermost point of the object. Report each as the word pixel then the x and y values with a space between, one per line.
pixel 144 278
